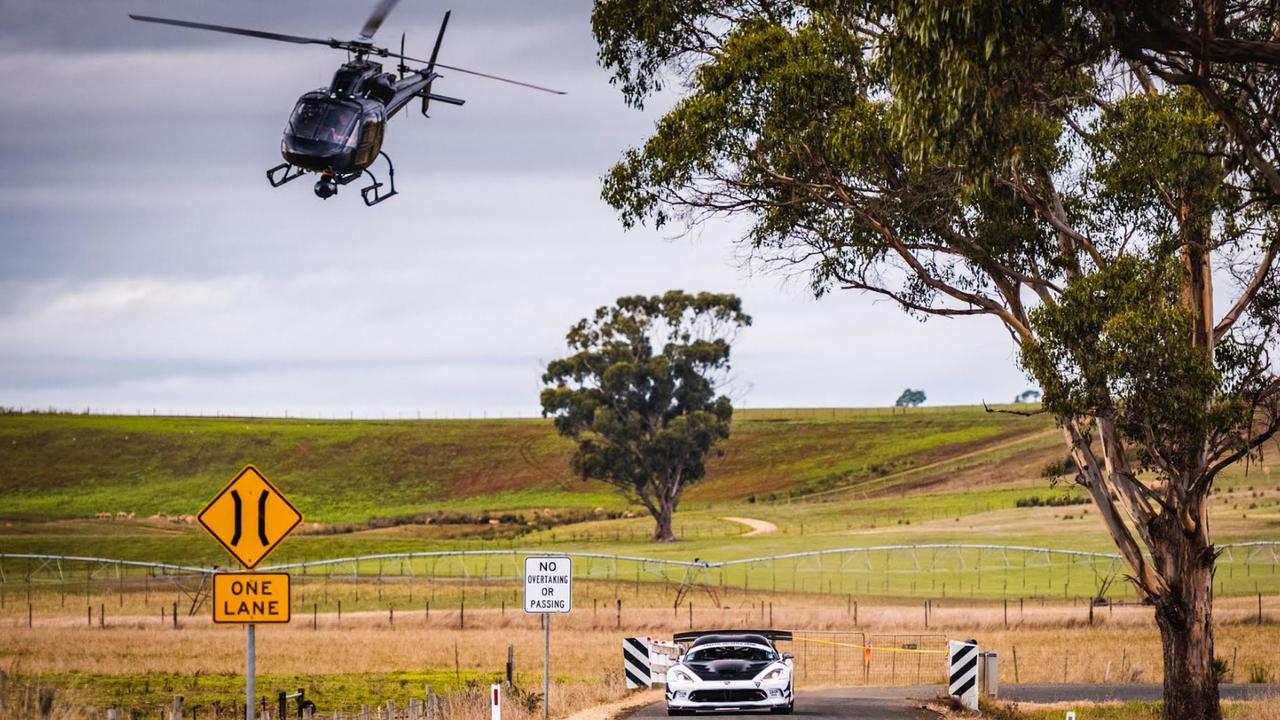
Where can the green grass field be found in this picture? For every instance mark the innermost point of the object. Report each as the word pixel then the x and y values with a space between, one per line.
pixel 825 478
pixel 69 466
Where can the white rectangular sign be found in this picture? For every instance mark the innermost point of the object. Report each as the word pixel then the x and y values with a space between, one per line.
pixel 548 585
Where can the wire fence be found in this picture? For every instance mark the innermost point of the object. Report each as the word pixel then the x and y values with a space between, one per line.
pixel 955 571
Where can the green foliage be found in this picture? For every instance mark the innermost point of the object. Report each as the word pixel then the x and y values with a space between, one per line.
pixel 639 394
pixel 1221 669
pixel 1053 501
pixel 1116 345
pixel 975 158
pixel 910 398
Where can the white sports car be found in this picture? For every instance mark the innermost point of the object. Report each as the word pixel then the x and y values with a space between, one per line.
pixel 731 670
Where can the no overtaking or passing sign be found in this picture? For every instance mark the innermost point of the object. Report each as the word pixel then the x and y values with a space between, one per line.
pixel 548 589
pixel 548 585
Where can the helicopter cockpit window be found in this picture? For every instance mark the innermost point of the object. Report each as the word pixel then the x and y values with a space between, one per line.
pixel 325 122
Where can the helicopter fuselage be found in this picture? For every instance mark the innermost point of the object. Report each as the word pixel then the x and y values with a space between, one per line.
pixel 338 130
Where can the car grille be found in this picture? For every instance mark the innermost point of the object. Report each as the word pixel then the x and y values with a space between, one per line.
pixel 733 695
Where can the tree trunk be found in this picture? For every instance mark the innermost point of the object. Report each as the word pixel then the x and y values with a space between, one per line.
pixel 662 533
pixel 1185 616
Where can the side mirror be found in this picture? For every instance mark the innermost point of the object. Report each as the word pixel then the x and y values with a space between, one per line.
pixel 787 656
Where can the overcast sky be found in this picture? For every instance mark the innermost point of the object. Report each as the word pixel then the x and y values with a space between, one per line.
pixel 146 264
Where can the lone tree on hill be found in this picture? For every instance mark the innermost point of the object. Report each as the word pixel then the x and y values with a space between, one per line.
pixel 1080 171
pixel 1028 396
pixel 910 398
pixel 638 394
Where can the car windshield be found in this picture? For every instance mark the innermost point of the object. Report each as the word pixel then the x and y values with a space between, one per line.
pixel 327 122
pixel 751 653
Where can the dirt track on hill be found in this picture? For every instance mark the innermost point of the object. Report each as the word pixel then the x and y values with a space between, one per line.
pixel 758 527
pixel 881 481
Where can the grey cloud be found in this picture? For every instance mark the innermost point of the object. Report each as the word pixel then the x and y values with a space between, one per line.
pixel 144 261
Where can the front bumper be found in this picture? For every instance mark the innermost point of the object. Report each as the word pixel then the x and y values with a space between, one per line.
pixel 729 695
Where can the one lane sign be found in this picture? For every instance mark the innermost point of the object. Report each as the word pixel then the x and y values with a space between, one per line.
pixel 548 585
pixel 251 598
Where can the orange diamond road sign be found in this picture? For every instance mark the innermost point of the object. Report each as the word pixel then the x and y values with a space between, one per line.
pixel 249 517
pixel 251 598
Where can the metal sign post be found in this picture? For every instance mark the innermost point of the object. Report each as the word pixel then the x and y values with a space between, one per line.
pixel 249 672
pixel 546 667
pixel 548 589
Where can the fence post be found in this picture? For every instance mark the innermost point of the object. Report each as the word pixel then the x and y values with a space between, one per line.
pixel 44 701
pixel 619 612
pixel 175 615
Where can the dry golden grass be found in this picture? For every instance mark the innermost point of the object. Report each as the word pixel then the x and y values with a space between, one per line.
pixel 1052 642
pixel 1121 646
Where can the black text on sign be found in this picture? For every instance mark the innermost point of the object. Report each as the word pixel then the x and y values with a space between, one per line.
pixel 251 598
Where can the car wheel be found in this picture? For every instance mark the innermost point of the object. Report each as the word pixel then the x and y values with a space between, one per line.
pixel 784 710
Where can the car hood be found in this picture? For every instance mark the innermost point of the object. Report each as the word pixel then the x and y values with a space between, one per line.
pixel 728 669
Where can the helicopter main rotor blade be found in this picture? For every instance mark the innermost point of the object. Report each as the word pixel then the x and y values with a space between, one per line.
pixel 236 31
pixel 376 17
pixel 501 79
pixel 477 73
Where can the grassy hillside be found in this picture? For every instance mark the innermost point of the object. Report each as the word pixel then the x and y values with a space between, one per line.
pixel 70 466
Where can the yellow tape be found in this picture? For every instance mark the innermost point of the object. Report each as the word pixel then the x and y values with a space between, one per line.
pixel 872 648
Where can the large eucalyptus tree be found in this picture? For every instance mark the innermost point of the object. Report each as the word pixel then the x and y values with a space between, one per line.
pixel 1091 175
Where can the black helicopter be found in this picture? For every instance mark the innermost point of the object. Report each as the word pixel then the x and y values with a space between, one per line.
pixel 337 131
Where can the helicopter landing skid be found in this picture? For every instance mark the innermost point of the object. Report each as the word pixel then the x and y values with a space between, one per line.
pixel 283 173
pixel 376 188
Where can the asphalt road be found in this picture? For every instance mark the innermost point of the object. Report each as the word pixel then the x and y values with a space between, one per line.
pixel 1121 693
pixel 905 703
pixel 861 703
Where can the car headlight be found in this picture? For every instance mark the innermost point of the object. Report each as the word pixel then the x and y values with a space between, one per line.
pixel 775 673
pixel 682 676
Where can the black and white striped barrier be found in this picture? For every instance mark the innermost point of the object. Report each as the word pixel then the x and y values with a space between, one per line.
pixel 635 662
pixel 962 672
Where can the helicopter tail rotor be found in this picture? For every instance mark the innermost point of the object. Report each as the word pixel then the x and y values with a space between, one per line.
pixel 435 51
pixel 431 63
pixel 402 68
